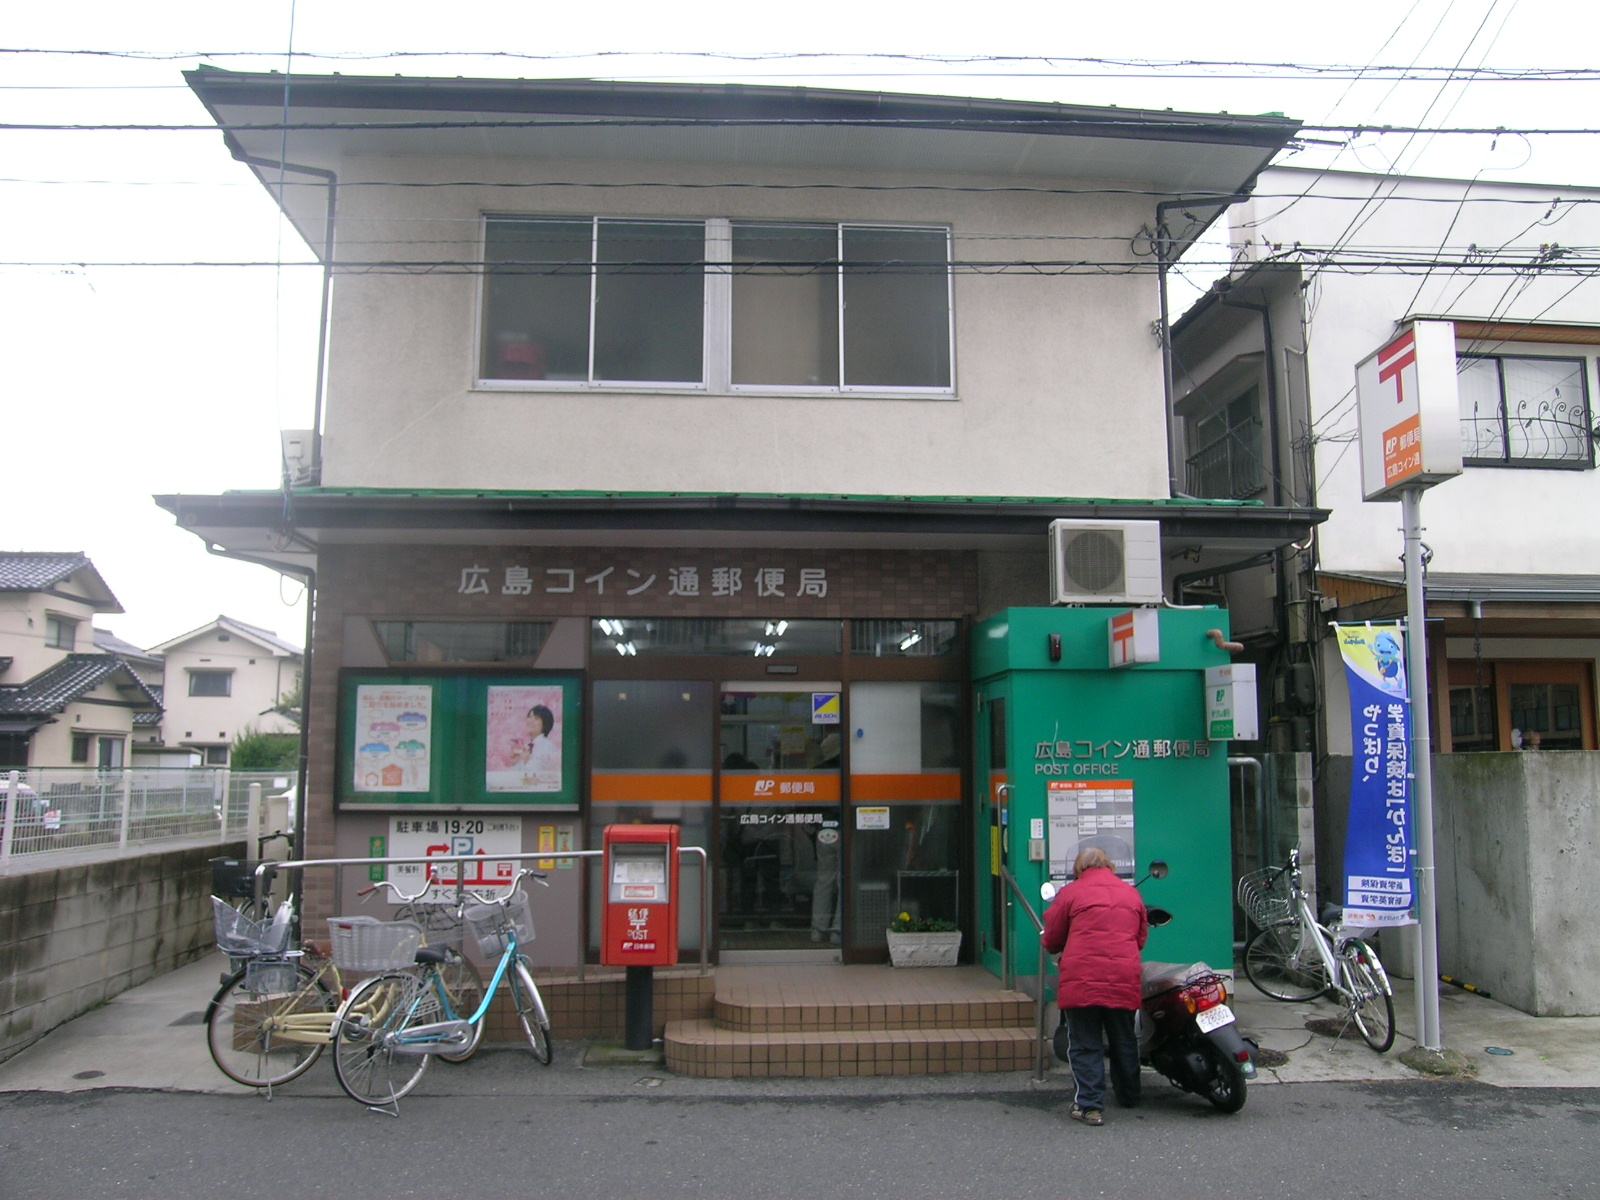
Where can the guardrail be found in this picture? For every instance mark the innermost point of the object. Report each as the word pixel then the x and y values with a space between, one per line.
pixel 127 810
pixel 1039 1059
pixel 526 856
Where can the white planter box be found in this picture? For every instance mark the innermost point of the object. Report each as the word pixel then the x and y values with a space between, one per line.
pixel 924 949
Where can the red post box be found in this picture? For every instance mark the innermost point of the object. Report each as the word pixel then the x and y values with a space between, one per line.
pixel 641 880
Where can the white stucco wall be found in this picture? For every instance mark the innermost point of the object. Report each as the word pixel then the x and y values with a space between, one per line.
pixel 260 679
pixel 1490 519
pixel 22 629
pixel 1057 379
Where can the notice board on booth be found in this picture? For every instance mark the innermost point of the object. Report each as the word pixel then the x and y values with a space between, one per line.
pixel 1090 812
pixel 446 741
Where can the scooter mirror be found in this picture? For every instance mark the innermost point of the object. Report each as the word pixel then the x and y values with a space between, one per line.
pixel 1048 890
pixel 1158 916
pixel 1158 870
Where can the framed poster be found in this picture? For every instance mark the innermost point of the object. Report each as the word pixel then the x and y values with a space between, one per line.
pixel 448 741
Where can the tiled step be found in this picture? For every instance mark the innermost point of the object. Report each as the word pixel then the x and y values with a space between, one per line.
pixel 748 1014
pixel 703 1049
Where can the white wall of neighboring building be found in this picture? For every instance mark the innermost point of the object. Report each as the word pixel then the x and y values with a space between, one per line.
pixel 1490 519
pixel 260 676
pixel 23 617
pixel 1057 378
pixel 99 714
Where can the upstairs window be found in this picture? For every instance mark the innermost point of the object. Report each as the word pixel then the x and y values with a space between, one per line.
pixel 590 301
pixel 210 683
pixel 794 306
pixel 1522 411
pixel 1227 461
pixel 60 633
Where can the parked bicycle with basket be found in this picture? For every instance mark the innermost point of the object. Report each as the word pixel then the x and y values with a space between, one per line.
pixel 1293 956
pixel 396 1021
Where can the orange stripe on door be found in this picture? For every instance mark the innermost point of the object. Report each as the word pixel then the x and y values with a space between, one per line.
pixel 921 786
pixel 780 787
pixel 689 788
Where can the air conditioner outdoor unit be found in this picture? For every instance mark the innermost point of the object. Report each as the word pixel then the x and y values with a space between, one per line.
pixel 1105 562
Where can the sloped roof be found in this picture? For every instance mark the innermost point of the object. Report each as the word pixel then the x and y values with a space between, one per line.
pixel 37 571
pixel 56 687
pixel 227 624
pixel 109 643
pixel 1510 587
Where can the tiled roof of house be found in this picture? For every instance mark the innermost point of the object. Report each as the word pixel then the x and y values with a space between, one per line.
pixel 151 718
pixel 109 643
pixel 53 689
pixel 266 635
pixel 26 571
pixel 263 636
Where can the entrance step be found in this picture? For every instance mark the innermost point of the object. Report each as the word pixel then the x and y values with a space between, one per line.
pixel 703 1049
pixel 827 1021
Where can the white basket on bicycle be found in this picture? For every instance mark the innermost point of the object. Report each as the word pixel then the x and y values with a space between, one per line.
pixel 367 944
pixel 239 937
pixel 440 924
pixel 1264 895
pixel 491 922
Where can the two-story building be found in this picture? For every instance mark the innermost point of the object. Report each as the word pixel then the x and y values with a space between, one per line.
pixel 225 679
pixel 674 438
pixel 63 701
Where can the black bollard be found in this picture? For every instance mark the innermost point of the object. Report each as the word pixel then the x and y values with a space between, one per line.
pixel 640 1010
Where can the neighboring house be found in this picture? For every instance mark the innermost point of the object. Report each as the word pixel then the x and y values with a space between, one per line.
pixel 1265 405
pixel 147 747
pixel 673 408
pixel 222 679
pixel 61 703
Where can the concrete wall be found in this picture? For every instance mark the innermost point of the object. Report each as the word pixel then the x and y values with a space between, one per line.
pixel 1516 837
pixel 74 937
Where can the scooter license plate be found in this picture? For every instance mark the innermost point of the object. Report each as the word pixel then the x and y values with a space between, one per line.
pixel 1214 1018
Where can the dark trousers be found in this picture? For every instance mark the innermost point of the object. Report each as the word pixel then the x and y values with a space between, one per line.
pixel 1093 1034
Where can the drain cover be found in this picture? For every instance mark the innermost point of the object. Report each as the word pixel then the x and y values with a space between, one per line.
pixel 1497 1050
pixel 88 1074
pixel 190 1018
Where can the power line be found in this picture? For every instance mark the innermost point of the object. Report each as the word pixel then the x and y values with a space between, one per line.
pixel 1202 68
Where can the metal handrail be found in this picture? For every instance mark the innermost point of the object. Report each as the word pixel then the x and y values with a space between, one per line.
pixel 1039 1058
pixel 699 851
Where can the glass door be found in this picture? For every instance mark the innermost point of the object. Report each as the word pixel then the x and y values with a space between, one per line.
pixel 779 833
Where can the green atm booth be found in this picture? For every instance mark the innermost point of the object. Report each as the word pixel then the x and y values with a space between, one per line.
pixel 1070 748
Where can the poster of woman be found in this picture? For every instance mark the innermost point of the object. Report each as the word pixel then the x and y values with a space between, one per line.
pixel 523 752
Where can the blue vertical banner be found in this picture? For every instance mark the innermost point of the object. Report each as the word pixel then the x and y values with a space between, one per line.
pixel 1378 849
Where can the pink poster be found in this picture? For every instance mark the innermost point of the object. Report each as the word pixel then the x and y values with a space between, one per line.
pixel 524 739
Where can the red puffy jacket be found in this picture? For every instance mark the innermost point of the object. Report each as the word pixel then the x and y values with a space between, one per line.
pixel 1099 920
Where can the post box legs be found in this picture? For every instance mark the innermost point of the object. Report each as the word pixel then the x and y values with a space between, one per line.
pixel 640 1010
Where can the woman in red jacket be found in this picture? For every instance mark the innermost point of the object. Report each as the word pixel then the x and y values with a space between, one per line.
pixel 1098 926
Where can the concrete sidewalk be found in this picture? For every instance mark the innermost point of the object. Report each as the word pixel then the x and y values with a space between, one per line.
pixel 152 1037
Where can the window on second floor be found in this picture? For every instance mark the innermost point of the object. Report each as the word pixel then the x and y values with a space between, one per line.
pixel 1524 411
pixel 1227 460
pixel 60 633
pixel 810 307
pixel 210 683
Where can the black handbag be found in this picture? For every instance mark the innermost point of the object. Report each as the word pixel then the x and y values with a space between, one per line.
pixel 1059 1041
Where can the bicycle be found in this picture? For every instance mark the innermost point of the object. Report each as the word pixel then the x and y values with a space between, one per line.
pixel 1292 956
pixel 395 1022
pixel 272 1016
pixel 442 927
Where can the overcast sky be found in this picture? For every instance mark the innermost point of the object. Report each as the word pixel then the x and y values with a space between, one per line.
pixel 119 382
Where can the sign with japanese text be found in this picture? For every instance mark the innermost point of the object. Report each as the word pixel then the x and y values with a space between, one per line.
pixel 1378 845
pixel 692 580
pixel 1086 756
pixel 1084 813
pixel 523 739
pixel 394 734
pixel 436 836
pixel 1409 411
pixel 1232 712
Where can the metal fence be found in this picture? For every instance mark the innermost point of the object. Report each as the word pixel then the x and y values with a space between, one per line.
pixel 54 809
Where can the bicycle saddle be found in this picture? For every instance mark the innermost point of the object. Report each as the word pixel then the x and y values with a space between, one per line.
pixel 432 954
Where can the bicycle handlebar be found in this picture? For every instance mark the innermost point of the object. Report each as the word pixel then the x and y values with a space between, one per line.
pixel 399 895
pixel 493 898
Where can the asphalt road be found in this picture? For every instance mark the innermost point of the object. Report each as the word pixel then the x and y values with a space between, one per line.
pixel 636 1138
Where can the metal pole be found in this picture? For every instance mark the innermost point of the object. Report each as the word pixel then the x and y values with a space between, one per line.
pixel 1429 1034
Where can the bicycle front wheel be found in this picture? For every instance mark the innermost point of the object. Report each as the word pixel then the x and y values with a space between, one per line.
pixel 464 985
pixel 369 1067
pixel 1371 1004
pixel 1282 966
pixel 530 1011
pixel 264 1040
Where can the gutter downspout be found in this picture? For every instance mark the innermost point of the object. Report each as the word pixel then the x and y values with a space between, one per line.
pixel 332 180
pixel 308 576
